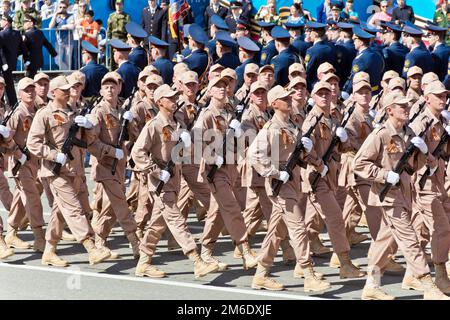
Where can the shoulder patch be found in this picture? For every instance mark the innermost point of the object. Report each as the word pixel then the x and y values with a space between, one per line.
pixel 407 63
pixel 263 56
pixel 355 68
pixel 307 58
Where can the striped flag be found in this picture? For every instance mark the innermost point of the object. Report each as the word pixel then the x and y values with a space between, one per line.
pixel 177 11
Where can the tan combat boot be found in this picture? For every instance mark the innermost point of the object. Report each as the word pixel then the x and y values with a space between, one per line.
pixel 237 254
pixel 312 282
pixel 430 290
pixel 363 221
pixel 394 266
pixel 39 239
pixel 375 294
pixel 5 252
pixel 442 281
pixel 67 236
pixel 201 267
pixel 13 241
pixel 248 256
pixel 288 252
pixel 299 274
pixel 335 263
pixel 50 258
pixel 317 248
pixel 410 282
pixel 207 256
pixel 100 243
pixel 262 281
pixel 145 269
pixel 356 237
pixel 134 242
pixel 348 269
pixel 96 255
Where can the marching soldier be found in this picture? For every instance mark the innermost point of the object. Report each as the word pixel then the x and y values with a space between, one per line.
pixel 198 60
pixel 299 41
pixel 251 72
pixel 440 51
pixel 224 49
pixel 413 81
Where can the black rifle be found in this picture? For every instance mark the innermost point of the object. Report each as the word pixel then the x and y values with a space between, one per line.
pixel 334 142
pixel 123 130
pixel 401 165
pixel 421 106
pixel 6 119
pixel 18 164
pixel 71 139
pixel 294 157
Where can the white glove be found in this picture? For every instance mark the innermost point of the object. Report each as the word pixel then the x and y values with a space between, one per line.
pixel 342 134
pixel 373 113
pixel 82 121
pixel 180 58
pixel 128 115
pixel 239 108
pixel 61 158
pixel 446 115
pixel 186 138
pixel 447 128
pixel 164 176
pixel 392 177
pixel 4 131
pixel 236 126
pixel 377 125
pixel 433 170
pixel 307 144
pixel 311 101
pixel 345 95
pixel 324 171
pixel 23 158
pixel 283 176
pixel 5 67
pixel 219 161
pixel 119 154
pixel 27 63
pixel 420 144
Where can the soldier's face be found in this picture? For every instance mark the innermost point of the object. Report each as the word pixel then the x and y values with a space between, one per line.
pixel 250 77
pixel 28 94
pixel 414 81
pixel 283 105
pixel 61 96
pixel 168 103
pixel 76 89
pixel 150 90
pixel 267 78
pixel 190 89
pixel 119 7
pixel 363 96
pixel 42 87
pixel 259 97
pixel 219 91
pixel 436 101
pixel 299 91
pixel 109 90
pixel 334 87
pixel 399 112
pixel 322 98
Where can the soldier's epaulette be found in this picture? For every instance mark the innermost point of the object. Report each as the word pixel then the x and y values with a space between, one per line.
pixel 377 130
pixel 267 125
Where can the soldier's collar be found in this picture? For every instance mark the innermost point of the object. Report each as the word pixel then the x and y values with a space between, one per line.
pixel 54 108
pixel 166 121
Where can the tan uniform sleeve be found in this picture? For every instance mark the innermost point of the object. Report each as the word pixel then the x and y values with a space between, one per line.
pixel 36 138
pixel 367 160
pixel 95 146
pixel 259 155
pixel 142 149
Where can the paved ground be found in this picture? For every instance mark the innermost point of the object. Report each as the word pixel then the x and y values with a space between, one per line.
pixel 23 277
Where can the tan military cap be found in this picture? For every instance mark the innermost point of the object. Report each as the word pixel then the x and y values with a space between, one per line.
pixel 25 83
pixel 414 70
pixel 152 69
pixel 388 75
pixel 277 92
pixel 228 72
pixel 216 67
pixel 216 80
pixel 395 98
pixel 361 76
pixel 435 87
pixel 360 85
pixel 179 66
pixel 164 91
pixel 296 81
pixel 154 79
pixel 429 77
pixel 325 67
pixel 112 76
pixel 41 75
pixel 267 67
pixel 2 80
pixel 296 67
pixel 396 83
pixel 257 85
pixel 190 77
pixel 60 82
pixel 76 77
pixel 321 85
pixel 144 73
pixel 251 68
pixel 330 76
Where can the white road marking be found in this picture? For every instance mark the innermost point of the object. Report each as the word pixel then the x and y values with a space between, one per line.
pixel 161 282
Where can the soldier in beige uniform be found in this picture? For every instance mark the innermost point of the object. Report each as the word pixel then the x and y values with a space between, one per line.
pixel 47 134
pixel 395 85
pixel 42 83
pixel 251 72
pixel 375 161
pixel 324 69
pixel 271 148
pixel 323 200
pixel 102 139
pixel 267 75
pixel 151 153
pixel 432 202
pixel 413 81
pixel 296 70
pixel 26 194
pixel 420 103
pixel 224 209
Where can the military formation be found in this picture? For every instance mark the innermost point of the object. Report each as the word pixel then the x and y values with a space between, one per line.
pixel 314 126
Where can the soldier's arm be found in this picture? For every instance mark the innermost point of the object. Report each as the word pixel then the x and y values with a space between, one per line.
pixel 312 158
pixel 366 159
pixel 36 139
pixel 96 147
pixel 420 159
pixel 13 124
pixel 141 150
pixel 259 155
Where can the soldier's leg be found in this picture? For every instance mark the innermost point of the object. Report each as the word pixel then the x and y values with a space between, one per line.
pixel 5 194
pixel 201 191
pixel 133 191
pixel 373 214
pixel 185 198
pixel 144 207
pixel 341 195
pixel 253 211
pixel 46 188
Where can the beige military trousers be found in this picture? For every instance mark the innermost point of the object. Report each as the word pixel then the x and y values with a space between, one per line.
pixel 258 206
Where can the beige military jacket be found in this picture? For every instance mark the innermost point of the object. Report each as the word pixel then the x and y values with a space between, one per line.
pixel 152 152
pixel 380 153
pixel 242 92
pixel 413 95
pixel 298 115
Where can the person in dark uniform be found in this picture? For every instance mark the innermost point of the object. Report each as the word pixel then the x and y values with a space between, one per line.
pixel 440 51
pixel 216 24
pixel 34 40
pixel 447 77
pixel 12 46
pixel 127 70
pixel 136 35
pixel 155 20
pixel 418 54
pixel 93 71
pixel 286 55
pixel 332 31
pixel 367 60
pixel 394 52
pixel 268 51
pixel 198 60
pixel 346 51
pixel 322 51
pixel 186 51
pixel 300 43
pixel 214 8
pixel 161 63
pixel 243 29
pixel 224 50
pixel 378 48
pixel 232 18
pixel 248 50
